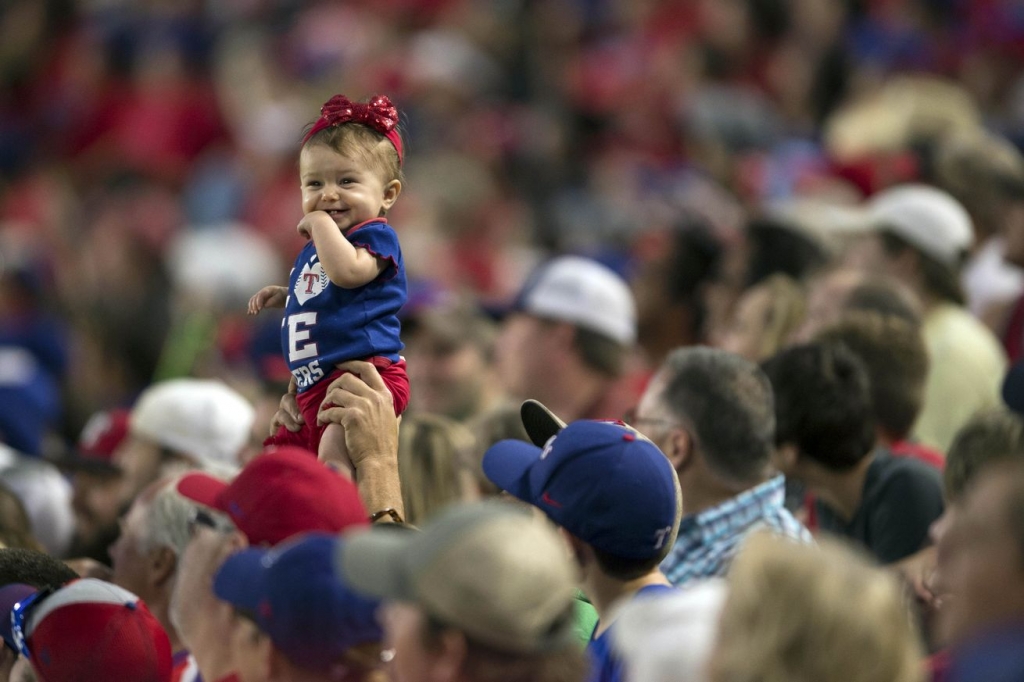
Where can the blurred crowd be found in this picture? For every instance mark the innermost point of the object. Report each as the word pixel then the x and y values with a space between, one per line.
pixel 780 240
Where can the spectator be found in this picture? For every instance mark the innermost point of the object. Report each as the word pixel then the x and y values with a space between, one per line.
pixel 780 246
pixel 616 497
pixel 296 620
pixel 826 439
pixel 146 555
pixel 88 629
pixel 345 290
pixel 842 290
pixel 990 437
pixel 983 171
pixel 765 318
pixel 450 350
pixel 892 352
pixel 568 338
pixel 1007 208
pixel 673 269
pixel 979 562
pixel 805 614
pixel 96 484
pixel 15 526
pixel 280 494
pixel 920 236
pixel 432 464
pixel 34 569
pixel 45 494
pixel 711 413
pixel 506 615
pixel 502 423
pixel 183 424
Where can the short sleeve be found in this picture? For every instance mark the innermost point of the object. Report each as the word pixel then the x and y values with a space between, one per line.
pixel 380 240
pixel 906 506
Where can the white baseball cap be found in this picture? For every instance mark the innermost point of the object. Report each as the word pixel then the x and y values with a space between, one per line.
pixel 584 292
pixel 926 218
pixel 202 418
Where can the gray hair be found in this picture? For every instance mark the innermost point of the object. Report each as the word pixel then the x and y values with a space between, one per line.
pixel 728 401
pixel 166 521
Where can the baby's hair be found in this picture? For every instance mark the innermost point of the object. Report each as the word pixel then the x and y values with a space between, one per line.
pixel 361 141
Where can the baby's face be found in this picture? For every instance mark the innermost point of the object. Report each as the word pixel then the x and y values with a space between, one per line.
pixel 345 187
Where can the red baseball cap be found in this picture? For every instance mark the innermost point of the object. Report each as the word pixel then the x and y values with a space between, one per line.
pixel 281 493
pixel 87 630
pixel 100 438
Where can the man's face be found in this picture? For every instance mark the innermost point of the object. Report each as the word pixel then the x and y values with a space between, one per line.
pixel 249 647
pixel 140 459
pixel 96 501
pixel 650 290
pixel 980 562
pixel 866 253
pixel 403 633
pixel 521 355
pixel 447 375
pixel 651 418
pixel 128 562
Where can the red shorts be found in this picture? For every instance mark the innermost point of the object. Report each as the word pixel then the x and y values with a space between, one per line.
pixel 308 437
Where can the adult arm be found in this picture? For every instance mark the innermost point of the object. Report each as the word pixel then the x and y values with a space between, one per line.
pixel 363 405
pixel 203 621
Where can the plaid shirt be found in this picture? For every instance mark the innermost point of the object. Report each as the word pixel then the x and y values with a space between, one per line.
pixel 709 539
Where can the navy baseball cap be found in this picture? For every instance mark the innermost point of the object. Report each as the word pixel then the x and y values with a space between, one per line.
pixel 601 481
pixel 294 596
pixel 10 595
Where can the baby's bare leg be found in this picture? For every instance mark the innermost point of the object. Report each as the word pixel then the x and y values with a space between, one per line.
pixel 333 450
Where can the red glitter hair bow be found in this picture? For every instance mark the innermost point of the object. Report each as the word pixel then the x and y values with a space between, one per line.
pixel 379 114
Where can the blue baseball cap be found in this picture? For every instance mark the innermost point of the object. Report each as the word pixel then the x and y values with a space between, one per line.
pixel 601 481
pixel 294 596
pixel 10 595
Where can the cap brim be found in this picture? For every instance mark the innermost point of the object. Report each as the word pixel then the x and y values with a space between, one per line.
pixel 202 488
pixel 241 579
pixel 540 422
pixel 372 562
pixel 9 596
pixel 505 464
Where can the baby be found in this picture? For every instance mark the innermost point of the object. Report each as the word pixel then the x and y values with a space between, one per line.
pixel 348 283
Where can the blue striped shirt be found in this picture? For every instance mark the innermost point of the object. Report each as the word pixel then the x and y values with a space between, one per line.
pixel 709 539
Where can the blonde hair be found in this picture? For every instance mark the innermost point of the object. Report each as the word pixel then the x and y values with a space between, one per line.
pixel 432 451
pixel 805 613
pixel 785 314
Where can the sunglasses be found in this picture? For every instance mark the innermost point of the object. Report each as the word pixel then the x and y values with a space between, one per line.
pixel 19 614
pixel 216 522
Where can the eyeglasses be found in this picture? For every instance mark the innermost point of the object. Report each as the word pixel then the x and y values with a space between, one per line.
pixel 215 522
pixel 19 614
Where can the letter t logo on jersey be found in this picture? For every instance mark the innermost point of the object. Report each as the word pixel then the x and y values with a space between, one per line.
pixel 310 282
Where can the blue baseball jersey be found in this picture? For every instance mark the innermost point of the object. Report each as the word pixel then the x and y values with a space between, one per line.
pixel 325 324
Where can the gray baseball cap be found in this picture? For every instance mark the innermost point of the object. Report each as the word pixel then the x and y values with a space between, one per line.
pixel 493 569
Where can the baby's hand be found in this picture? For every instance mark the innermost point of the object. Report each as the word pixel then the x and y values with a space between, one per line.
pixel 267 297
pixel 305 227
